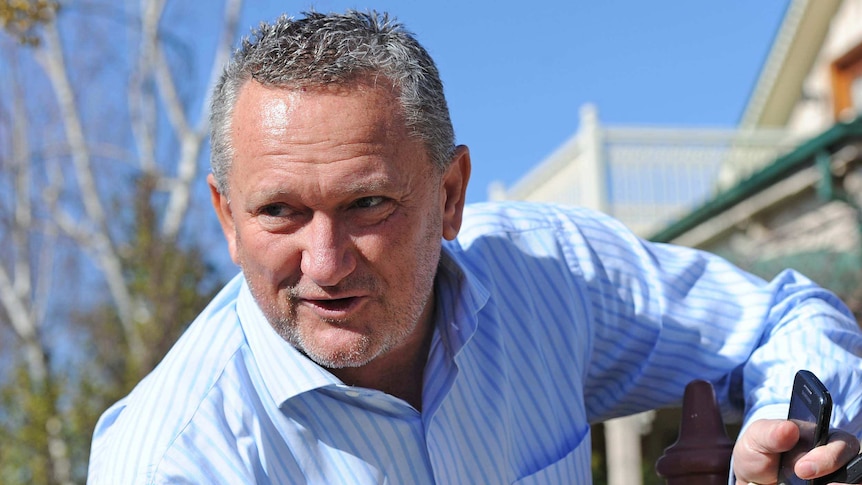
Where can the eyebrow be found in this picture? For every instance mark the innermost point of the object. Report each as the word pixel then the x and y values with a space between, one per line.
pixel 365 186
pixel 357 187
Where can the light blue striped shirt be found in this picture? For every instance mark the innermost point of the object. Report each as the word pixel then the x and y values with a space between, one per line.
pixel 548 319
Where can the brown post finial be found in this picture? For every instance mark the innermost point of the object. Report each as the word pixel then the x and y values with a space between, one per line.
pixel 701 454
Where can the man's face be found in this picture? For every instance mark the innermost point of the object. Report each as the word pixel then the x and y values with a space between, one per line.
pixel 335 214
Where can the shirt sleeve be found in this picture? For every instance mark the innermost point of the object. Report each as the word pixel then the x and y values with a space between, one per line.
pixel 664 315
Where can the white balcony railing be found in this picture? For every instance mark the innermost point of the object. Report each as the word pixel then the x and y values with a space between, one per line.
pixel 646 177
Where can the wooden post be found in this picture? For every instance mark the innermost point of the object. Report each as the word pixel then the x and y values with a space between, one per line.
pixel 701 454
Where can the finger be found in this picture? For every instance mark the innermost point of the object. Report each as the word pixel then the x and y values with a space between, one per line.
pixel 771 436
pixel 757 452
pixel 840 448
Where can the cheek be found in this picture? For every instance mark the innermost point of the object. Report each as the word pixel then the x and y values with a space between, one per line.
pixel 399 236
pixel 375 250
pixel 271 256
pixel 405 245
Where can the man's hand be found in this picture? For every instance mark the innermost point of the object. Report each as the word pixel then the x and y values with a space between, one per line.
pixel 757 453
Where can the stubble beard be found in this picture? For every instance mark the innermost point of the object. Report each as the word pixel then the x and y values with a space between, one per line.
pixel 370 339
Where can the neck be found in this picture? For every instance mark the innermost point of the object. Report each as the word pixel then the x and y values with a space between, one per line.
pixel 399 372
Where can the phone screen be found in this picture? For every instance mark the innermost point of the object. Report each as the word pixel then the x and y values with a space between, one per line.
pixel 806 421
pixel 810 409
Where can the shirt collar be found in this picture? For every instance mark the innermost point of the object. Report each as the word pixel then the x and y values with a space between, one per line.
pixel 460 297
pixel 285 372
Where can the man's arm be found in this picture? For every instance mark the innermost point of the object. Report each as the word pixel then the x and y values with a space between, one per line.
pixel 664 315
pixel 705 318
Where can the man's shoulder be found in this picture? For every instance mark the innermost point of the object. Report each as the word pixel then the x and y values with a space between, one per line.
pixel 497 237
pixel 518 216
pixel 137 431
pixel 539 238
pixel 537 221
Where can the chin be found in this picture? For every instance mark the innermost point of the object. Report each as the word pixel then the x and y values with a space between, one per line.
pixel 338 359
pixel 357 352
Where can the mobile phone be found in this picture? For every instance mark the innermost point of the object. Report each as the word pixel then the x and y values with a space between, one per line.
pixel 810 409
pixel 850 473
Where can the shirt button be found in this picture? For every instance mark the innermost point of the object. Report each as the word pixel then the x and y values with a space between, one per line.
pixel 352 393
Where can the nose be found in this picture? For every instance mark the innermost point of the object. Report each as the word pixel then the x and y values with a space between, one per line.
pixel 327 257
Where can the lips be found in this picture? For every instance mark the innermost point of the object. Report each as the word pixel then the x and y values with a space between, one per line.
pixel 339 304
pixel 333 307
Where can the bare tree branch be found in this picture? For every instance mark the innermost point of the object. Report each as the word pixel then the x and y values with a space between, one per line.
pixel 167 88
pixel 192 141
pixel 141 89
pixel 52 59
pixel 19 314
pixel 23 208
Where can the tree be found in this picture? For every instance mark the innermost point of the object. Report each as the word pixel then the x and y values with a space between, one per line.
pixel 98 155
pixel 20 18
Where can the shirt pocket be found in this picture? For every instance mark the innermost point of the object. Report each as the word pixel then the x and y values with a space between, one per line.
pixel 574 468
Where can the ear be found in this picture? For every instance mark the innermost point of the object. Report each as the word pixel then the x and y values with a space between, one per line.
pixel 454 188
pixel 221 204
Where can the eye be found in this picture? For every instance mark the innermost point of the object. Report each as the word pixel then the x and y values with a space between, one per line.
pixel 279 217
pixel 369 202
pixel 370 210
pixel 275 210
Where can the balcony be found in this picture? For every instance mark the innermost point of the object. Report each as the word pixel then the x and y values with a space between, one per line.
pixel 646 177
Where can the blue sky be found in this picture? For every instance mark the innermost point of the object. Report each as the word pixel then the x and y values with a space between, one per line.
pixel 517 73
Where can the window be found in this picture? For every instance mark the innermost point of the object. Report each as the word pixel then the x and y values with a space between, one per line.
pixel 847 84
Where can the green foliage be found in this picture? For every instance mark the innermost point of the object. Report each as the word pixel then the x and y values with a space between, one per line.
pixel 20 18
pixel 23 457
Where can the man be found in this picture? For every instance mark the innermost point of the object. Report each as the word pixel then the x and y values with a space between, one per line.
pixel 355 347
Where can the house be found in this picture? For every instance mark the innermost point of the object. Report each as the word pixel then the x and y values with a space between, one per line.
pixel 784 188
pixel 801 209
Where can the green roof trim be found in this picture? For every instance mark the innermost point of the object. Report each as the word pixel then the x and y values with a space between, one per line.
pixel 803 156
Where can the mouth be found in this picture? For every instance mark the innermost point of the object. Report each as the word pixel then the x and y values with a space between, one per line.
pixel 333 307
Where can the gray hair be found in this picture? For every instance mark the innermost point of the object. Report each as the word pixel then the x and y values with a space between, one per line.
pixel 322 49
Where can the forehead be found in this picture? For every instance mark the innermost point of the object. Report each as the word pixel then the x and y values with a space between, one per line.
pixel 338 128
pixel 333 113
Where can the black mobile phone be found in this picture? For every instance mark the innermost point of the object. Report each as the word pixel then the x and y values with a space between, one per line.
pixel 810 409
pixel 850 473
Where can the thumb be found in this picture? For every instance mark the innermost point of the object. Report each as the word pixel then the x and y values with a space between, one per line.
pixel 758 450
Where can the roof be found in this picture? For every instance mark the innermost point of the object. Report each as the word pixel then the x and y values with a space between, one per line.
pixel 798 41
